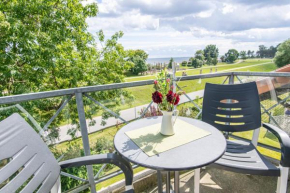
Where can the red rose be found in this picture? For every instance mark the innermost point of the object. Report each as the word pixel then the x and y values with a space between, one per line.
pixel 177 99
pixel 157 97
pixel 170 96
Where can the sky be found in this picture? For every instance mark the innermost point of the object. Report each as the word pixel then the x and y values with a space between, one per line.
pixel 177 28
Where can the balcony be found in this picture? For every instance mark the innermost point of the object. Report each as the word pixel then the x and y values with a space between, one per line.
pixel 93 134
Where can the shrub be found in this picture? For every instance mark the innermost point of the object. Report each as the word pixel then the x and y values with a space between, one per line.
pixel 184 63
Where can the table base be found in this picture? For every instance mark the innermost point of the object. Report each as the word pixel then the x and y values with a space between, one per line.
pixel 176 182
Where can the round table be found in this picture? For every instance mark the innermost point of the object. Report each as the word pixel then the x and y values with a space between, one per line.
pixel 193 155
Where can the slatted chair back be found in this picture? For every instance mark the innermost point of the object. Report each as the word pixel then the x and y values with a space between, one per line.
pixel 27 165
pixel 232 108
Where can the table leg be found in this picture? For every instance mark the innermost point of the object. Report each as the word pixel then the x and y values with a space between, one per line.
pixel 167 182
pixel 196 180
pixel 176 182
pixel 159 178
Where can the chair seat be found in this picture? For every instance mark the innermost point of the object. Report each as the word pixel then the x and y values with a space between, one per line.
pixel 243 157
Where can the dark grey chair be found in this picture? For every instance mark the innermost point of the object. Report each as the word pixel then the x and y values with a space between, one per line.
pixel 236 108
pixel 32 167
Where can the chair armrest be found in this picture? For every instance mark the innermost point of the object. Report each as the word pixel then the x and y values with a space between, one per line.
pixel 101 159
pixel 284 140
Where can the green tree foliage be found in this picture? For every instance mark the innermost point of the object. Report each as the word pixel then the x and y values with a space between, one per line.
pixel 272 51
pixel 138 59
pixel 262 51
pixel 282 56
pixel 223 58
pixel 211 53
pixel 74 150
pixel 196 63
pixel 249 53
pixel 170 63
pixel 140 53
pixel 184 63
pixel 243 55
pixel 139 66
pixel 199 54
pixel 265 52
pixel 45 45
pixel 231 55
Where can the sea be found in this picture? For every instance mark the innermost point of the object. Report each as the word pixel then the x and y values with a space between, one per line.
pixel 166 60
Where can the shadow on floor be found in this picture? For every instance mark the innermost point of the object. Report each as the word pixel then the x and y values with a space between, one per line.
pixel 219 181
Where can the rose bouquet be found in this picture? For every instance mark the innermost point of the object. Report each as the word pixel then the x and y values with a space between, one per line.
pixel 164 95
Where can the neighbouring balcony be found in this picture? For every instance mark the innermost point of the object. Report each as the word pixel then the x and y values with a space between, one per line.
pixel 64 132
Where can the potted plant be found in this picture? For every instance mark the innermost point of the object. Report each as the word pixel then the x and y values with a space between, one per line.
pixel 165 97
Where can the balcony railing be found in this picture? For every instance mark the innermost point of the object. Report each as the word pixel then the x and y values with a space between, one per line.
pixel 273 89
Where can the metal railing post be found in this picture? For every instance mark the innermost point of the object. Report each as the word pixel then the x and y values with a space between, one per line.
pixel 85 138
pixel 231 78
pixel 174 79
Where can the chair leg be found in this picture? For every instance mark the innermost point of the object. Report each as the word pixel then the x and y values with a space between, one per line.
pixel 196 180
pixel 282 180
pixel 56 187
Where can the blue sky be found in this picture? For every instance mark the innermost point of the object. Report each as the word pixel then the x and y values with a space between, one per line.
pixel 177 28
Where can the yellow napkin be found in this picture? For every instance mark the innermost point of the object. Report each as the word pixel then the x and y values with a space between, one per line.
pixel 150 140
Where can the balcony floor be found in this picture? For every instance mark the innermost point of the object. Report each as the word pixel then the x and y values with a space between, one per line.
pixel 220 181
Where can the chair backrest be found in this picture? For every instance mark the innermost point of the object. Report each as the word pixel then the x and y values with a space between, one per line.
pixel 232 108
pixel 30 166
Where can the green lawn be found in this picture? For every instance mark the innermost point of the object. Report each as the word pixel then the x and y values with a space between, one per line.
pixel 143 93
pixel 205 69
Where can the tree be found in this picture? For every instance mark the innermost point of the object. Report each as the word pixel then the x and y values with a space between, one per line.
pixel 223 58
pixel 282 56
pixel 249 53
pixel 211 53
pixel 139 65
pixel 243 55
pixel 262 51
pixel 140 53
pixel 196 63
pixel 199 54
pixel 231 55
pixel 138 58
pixel 253 54
pixel 184 63
pixel 170 63
pixel 258 55
pixel 272 51
pixel 45 45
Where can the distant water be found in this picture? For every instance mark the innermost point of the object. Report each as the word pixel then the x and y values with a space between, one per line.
pixel 166 60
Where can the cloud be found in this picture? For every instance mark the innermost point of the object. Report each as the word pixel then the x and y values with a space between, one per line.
pixel 172 26
pixel 252 35
pixel 234 18
pixel 166 8
pixel 125 22
pixel 260 3
pixel 228 8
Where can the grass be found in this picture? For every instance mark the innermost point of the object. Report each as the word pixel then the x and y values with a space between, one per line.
pixel 117 178
pixel 108 133
pixel 142 93
pixel 205 69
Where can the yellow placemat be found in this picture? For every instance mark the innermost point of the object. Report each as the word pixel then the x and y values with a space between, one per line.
pixel 152 142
